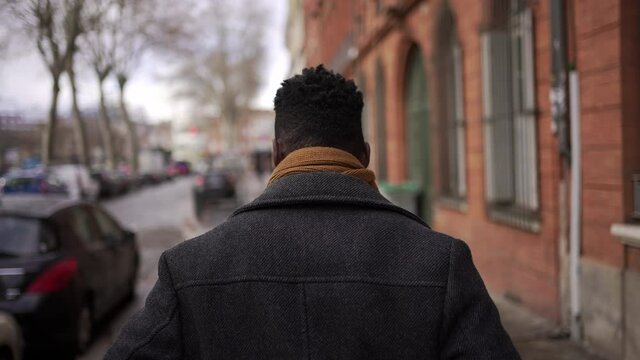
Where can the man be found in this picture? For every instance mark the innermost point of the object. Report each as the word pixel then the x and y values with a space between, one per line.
pixel 320 266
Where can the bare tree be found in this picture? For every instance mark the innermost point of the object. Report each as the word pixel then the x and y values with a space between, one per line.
pixel 5 30
pixel 73 31
pixel 132 42
pixel 52 24
pixel 99 46
pixel 222 70
pixel 143 25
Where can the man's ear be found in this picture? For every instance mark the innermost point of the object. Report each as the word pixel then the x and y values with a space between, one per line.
pixel 366 155
pixel 276 152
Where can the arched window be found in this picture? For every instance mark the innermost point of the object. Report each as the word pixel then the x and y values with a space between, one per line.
pixel 511 164
pixel 450 108
pixel 381 124
pixel 417 131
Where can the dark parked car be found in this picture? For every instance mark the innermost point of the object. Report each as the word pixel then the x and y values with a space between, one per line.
pixel 64 265
pixel 212 186
pixel 111 182
pixel 152 178
pixel 33 182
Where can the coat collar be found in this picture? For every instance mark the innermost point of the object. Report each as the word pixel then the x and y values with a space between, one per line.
pixel 322 188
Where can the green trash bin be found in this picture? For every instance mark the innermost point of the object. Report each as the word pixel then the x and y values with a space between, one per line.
pixel 407 195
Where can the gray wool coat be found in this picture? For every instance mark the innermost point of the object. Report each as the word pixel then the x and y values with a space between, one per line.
pixel 320 266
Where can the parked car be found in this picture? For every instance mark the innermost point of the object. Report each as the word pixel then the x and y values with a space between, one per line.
pixel 131 179
pixel 111 182
pixel 152 178
pixel 212 186
pixel 10 338
pixel 34 182
pixel 78 181
pixel 64 264
pixel 234 165
pixel 178 168
pixel 151 166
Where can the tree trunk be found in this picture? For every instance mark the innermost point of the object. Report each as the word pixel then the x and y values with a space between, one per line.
pixel 49 134
pixel 80 132
pixel 105 129
pixel 230 118
pixel 131 128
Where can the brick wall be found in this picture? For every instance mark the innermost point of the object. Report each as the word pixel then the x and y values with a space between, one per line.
pixel 630 47
pixel 523 264
pixel 598 44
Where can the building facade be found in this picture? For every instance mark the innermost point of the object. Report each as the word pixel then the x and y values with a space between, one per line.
pixel 19 140
pixel 469 105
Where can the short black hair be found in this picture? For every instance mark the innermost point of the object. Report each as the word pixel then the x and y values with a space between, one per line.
pixel 319 108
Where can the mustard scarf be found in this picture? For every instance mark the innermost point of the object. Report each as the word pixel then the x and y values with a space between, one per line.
pixel 323 159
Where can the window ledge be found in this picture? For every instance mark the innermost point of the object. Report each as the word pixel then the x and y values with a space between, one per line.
pixel 627 233
pixel 529 221
pixel 453 203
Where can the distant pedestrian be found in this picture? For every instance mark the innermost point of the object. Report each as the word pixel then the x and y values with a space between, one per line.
pixel 320 266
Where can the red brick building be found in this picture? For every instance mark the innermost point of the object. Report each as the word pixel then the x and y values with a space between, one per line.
pixel 458 109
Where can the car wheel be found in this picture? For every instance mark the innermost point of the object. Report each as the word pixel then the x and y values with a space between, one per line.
pixel 84 329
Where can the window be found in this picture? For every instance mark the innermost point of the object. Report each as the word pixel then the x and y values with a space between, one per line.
pixel 450 122
pixel 381 125
pixel 109 230
pixel 82 226
pixel 509 114
pixel 22 236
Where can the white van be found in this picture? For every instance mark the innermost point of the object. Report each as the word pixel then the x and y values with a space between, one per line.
pixel 78 180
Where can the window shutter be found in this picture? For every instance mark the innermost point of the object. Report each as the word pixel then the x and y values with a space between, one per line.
pixel 530 144
pixel 524 117
pixel 459 119
pixel 496 79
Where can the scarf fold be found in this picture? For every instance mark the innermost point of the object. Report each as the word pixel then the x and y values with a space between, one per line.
pixel 323 159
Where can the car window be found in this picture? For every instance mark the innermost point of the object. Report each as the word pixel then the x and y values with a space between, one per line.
pixel 21 184
pixel 24 236
pixel 82 226
pixel 215 180
pixel 109 230
pixel 48 241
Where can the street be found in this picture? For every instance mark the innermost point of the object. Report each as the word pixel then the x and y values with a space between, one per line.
pixel 162 216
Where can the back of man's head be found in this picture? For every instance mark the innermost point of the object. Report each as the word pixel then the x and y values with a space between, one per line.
pixel 319 108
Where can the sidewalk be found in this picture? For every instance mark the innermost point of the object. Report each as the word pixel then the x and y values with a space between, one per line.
pixel 537 338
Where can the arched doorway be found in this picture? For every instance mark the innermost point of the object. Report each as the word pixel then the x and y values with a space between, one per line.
pixel 417 132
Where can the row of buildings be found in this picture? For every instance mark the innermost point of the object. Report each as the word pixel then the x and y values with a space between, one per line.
pixel 198 141
pixel 20 141
pixel 516 126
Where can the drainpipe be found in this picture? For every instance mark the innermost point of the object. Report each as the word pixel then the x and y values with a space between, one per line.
pixel 566 127
pixel 576 207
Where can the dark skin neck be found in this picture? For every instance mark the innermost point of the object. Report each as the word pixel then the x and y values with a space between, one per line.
pixel 280 151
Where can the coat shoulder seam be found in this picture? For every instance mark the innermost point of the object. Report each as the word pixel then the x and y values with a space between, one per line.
pixel 308 280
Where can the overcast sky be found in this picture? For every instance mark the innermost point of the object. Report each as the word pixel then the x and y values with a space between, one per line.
pixel 25 83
